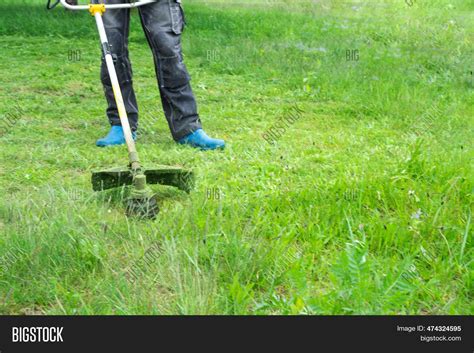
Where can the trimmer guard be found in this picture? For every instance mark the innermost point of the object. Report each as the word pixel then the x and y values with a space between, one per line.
pixel 178 177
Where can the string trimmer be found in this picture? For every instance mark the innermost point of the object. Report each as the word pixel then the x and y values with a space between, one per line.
pixel 141 201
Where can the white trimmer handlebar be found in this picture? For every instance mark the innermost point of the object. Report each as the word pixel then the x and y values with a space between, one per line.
pixel 108 6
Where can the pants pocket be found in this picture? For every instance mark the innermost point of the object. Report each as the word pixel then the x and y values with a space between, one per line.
pixel 177 16
pixel 173 72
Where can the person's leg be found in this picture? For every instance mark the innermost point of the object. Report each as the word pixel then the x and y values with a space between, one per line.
pixel 116 24
pixel 163 23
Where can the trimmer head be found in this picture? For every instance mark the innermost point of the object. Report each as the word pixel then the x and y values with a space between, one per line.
pixel 141 202
pixel 178 177
pixel 143 207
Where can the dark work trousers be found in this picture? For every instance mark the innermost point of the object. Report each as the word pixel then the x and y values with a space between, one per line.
pixel 162 23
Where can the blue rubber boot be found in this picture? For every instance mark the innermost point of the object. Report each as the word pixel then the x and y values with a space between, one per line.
pixel 114 137
pixel 199 139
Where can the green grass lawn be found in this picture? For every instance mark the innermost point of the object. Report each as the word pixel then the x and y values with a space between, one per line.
pixel 363 205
